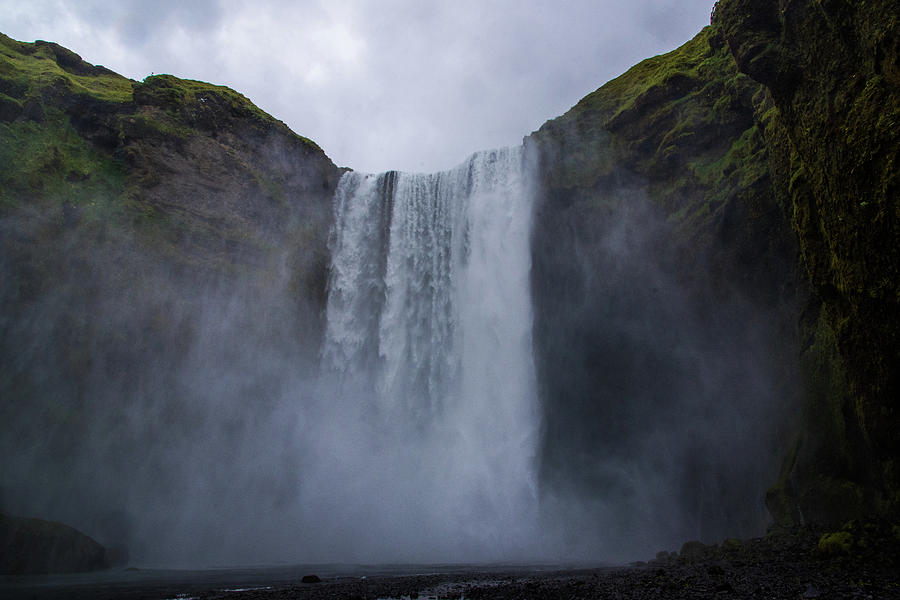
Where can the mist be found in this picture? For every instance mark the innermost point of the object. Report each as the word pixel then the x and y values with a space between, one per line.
pixel 660 381
pixel 429 319
pixel 493 377
pixel 152 407
pixel 199 417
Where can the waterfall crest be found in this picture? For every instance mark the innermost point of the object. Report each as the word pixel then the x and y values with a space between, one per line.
pixel 429 333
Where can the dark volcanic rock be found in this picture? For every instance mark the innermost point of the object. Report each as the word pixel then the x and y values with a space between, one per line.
pixel 831 70
pixel 139 220
pixel 763 155
pixel 659 245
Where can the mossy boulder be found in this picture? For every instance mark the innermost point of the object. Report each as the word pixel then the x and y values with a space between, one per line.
pixel 839 543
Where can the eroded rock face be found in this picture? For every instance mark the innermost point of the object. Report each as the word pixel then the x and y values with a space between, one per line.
pixel 765 152
pixel 664 283
pixel 831 69
pixel 35 546
pixel 163 253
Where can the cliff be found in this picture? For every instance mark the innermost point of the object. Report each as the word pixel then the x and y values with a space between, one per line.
pixel 714 278
pixel 831 69
pixel 163 249
pixel 763 155
pixel 200 173
pixel 165 174
pixel 666 295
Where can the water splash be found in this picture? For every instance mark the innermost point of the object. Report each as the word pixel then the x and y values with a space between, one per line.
pixel 429 332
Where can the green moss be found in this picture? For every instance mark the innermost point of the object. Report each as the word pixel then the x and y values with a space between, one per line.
pixel 839 543
pixel 163 91
pixel 272 188
pixel 656 112
pixel 820 478
pixel 203 106
pixel 38 64
pixel 732 547
pixel 684 121
pixel 826 387
pixel 832 74
pixel 10 108
pixel 50 161
pixel 56 76
pixel 780 498
pixel 150 125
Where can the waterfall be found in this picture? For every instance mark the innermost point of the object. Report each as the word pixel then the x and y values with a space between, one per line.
pixel 428 341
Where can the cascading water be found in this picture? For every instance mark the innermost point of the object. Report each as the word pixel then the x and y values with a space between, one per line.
pixel 429 333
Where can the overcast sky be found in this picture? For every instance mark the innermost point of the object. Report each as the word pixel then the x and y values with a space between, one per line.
pixel 414 85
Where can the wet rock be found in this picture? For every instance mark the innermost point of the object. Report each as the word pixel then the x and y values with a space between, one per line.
pixel 695 551
pixel 839 543
pixel 310 579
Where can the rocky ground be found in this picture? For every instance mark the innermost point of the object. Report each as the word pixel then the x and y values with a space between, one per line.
pixel 858 562
pixel 782 577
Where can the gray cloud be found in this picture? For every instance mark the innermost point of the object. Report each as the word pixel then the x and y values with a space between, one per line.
pixel 402 84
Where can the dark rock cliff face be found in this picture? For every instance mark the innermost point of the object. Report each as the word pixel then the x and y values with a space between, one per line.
pixel 666 298
pixel 204 179
pixel 749 179
pixel 163 258
pixel 171 178
pixel 833 73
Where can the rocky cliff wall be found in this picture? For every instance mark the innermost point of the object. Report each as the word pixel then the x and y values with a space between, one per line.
pixel 163 259
pixel 756 168
pixel 831 68
pixel 666 297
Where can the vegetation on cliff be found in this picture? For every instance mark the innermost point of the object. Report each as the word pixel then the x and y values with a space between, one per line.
pixel 152 235
pixel 832 71
pixel 200 159
pixel 693 128
pixel 768 147
pixel 660 247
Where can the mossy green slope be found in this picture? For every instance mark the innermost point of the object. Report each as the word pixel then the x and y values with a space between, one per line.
pixel 83 137
pixel 696 132
pixel 43 156
pixel 115 182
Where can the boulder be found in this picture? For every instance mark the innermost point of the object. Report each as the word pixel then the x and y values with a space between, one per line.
pixel 35 546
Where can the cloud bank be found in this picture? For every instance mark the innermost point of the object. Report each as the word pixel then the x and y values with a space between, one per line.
pixel 400 84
